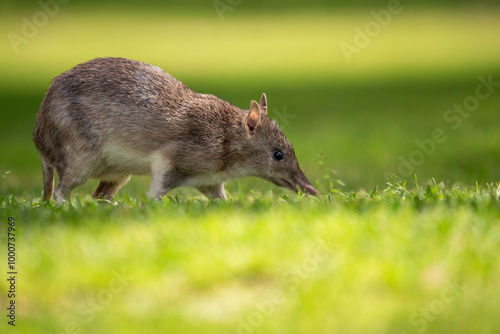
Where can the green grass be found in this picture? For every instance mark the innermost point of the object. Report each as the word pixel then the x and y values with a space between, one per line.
pixel 400 259
pixel 374 255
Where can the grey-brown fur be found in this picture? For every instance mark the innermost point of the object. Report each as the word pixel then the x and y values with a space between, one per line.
pixel 110 118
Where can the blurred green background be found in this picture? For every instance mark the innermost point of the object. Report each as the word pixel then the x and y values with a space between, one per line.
pixel 396 266
pixel 359 118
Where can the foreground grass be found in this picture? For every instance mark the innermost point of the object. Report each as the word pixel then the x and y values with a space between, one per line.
pixel 385 261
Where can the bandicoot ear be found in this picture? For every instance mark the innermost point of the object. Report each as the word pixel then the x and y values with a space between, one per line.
pixel 263 104
pixel 253 118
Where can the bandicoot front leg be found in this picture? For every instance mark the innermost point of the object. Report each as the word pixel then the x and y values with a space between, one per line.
pixel 216 191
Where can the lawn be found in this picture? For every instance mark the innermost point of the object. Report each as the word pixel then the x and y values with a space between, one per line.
pixel 403 240
pixel 388 261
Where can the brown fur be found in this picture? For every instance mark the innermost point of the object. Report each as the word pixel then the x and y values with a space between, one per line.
pixel 110 118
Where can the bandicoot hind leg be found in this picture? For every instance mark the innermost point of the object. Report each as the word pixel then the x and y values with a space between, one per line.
pixel 48 180
pixel 69 179
pixel 108 189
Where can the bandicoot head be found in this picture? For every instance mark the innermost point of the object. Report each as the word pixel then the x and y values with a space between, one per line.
pixel 268 154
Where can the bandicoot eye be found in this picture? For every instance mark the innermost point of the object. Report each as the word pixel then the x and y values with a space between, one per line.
pixel 278 155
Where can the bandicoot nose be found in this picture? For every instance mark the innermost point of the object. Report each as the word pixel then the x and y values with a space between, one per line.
pixel 311 190
pixel 307 187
